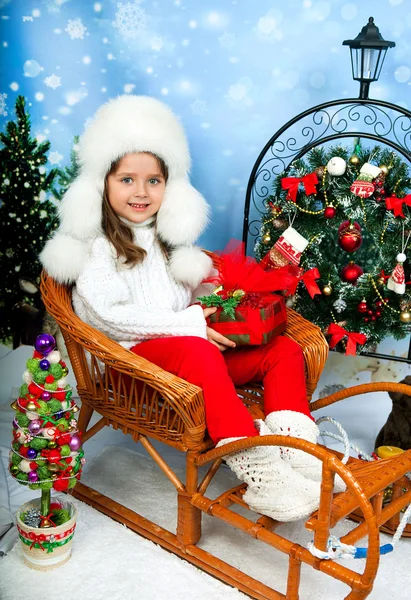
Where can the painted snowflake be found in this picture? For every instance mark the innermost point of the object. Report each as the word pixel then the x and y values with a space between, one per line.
pixel 76 29
pixel 131 19
pixel 198 107
pixel 53 81
pixel 3 106
pixel 227 40
pixel 55 158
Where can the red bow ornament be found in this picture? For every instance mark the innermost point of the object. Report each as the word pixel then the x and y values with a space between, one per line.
pixel 37 539
pixel 308 278
pixel 338 333
pixel 395 204
pixel 291 184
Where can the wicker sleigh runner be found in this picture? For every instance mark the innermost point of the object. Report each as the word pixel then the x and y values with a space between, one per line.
pixel 160 406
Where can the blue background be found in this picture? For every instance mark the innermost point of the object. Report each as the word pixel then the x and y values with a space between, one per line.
pixel 233 70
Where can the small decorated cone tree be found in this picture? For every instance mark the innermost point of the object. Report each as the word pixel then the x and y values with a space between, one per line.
pixel 46 454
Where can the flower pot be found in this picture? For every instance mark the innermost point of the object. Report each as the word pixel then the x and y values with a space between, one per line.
pixel 46 548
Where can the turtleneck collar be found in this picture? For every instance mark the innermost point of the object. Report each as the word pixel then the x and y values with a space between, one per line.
pixel 148 223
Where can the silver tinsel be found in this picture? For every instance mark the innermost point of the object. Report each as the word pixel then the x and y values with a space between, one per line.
pixel 340 305
pixel 32 518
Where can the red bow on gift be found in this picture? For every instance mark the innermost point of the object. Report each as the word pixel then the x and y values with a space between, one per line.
pixel 308 278
pixel 395 204
pixel 291 184
pixel 338 333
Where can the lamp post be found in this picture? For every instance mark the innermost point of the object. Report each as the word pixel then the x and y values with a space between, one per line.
pixel 368 52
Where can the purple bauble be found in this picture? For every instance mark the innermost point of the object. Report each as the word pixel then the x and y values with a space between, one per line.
pixel 45 396
pixel 45 343
pixel 44 364
pixel 31 453
pixel 15 424
pixel 75 443
pixel 33 477
pixel 34 426
pixel 59 414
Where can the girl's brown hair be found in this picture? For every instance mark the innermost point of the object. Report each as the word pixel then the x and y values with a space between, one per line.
pixel 120 234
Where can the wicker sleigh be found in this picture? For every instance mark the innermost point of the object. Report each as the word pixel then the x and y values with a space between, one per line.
pixel 139 398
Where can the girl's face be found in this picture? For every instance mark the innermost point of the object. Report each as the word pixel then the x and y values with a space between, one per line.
pixel 136 188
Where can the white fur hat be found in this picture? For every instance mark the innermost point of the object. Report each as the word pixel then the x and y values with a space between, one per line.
pixel 124 125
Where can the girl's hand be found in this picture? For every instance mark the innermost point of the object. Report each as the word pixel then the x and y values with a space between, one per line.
pixel 213 336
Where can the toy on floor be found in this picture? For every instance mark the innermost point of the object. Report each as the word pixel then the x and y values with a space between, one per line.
pixel 397 429
pixel 46 453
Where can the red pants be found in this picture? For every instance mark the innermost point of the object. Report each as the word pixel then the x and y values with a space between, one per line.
pixel 279 365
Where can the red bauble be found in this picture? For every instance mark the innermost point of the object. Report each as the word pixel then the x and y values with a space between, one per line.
pixel 362 307
pixel 329 212
pixel 351 273
pixel 54 456
pixel 59 394
pixel 61 485
pixel 349 236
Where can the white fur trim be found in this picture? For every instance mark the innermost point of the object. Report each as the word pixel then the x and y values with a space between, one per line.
pixel 190 265
pixel 183 214
pixel 63 257
pixel 133 124
pixel 81 209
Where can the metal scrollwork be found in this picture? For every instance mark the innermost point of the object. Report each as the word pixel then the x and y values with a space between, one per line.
pixel 385 123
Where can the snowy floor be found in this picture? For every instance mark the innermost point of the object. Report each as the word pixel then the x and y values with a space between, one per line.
pixel 110 562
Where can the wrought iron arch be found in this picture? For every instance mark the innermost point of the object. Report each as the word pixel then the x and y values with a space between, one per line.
pixel 385 123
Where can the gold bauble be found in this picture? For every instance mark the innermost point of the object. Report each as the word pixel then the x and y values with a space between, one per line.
pixel 46 523
pixel 14 469
pixel 266 238
pixel 75 408
pixel 14 405
pixel 354 160
pixel 238 294
pixel 405 316
pixel 54 476
pixel 52 444
pixel 30 405
pixel 384 169
pixel 380 280
pixel 327 290
pixel 53 468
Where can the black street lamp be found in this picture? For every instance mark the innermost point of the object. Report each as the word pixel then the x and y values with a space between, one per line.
pixel 368 52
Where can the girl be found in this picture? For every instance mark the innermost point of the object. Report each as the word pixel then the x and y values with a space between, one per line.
pixel 128 224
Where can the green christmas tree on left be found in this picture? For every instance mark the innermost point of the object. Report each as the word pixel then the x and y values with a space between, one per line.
pixel 26 217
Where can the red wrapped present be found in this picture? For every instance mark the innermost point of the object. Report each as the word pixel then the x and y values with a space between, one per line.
pixel 253 323
pixel 248 312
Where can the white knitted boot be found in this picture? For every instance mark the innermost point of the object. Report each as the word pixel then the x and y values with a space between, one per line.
pixel 296 424
pixel 274 488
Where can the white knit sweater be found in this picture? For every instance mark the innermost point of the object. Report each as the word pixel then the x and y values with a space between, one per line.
pixel 131 305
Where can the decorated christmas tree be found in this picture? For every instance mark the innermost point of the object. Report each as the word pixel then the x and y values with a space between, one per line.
pixel 341 221
pixel 26 216
pixel 46 452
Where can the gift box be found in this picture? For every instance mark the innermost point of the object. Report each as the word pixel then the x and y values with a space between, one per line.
pixel 248 313
pixel 252 325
